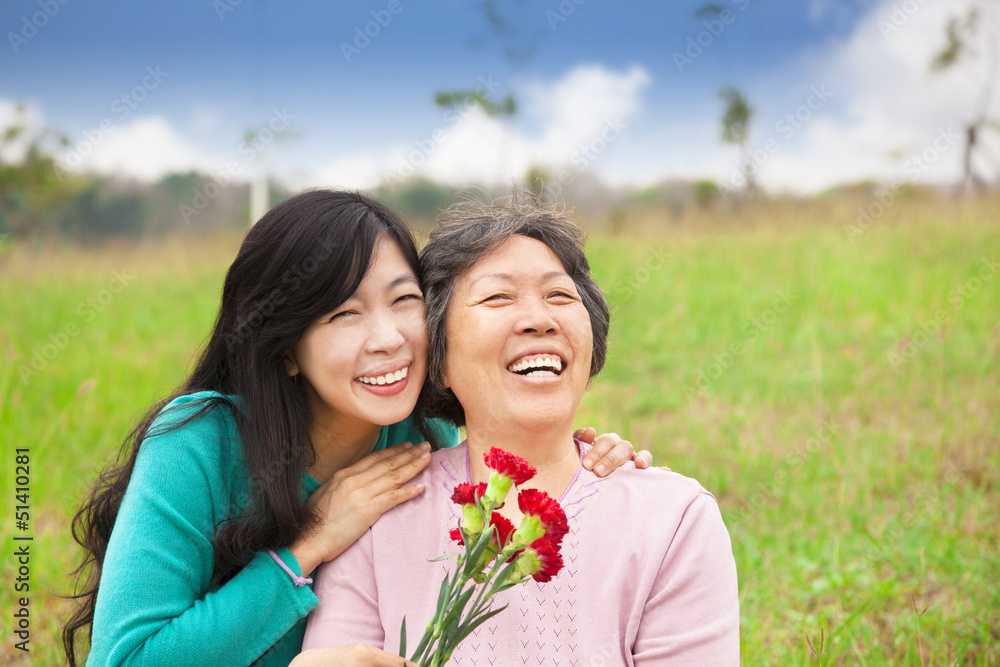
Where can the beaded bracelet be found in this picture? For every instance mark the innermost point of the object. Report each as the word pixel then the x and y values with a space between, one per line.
pixel 297 580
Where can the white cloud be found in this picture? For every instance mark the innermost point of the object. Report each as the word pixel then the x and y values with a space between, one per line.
pixel 471 146
pixel 889 108
pixel 144 148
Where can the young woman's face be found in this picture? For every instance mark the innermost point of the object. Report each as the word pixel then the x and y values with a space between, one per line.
pixel 364 363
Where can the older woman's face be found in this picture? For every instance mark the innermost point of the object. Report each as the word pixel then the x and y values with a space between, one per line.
pixel 519 339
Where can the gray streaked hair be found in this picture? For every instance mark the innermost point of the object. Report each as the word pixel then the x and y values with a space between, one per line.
pixel 469 231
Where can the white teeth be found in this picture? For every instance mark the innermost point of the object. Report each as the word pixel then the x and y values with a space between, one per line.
pixel 388 378
pixel 544 361
pixel 541 374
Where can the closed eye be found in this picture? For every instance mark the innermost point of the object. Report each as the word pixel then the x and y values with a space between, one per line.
pixel 496 298
pixel 410 297
pixel 340 315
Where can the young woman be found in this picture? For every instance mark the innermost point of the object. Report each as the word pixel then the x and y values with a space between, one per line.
pixel 260 467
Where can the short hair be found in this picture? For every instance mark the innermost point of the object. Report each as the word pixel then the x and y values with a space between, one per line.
pixel 467 232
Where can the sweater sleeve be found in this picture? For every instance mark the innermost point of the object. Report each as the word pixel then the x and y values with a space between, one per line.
pixel 692 615
pixel 156 604
pixel 347 612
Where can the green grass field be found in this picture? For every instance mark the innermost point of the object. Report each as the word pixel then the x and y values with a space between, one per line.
pixel 842 400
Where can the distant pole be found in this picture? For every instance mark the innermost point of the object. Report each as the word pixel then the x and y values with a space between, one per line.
pixel 258 193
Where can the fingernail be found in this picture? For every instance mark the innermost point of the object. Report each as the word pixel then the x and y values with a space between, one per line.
pixel 407 445
pixel 425 455
pixel 426 446
pixel 588 464
pixel 600 469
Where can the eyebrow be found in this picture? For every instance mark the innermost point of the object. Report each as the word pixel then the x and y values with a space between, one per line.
pixel 403 278
pixel 508 277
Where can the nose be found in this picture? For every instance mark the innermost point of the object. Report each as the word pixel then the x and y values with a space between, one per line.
pixel 536 318
pixel 385 335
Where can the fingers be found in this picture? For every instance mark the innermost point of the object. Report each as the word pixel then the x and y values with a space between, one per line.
pixel 380 456
pixel 609 452
pixel 395 470
pixel 384 502
pixel 643 459
pixel 373 657
pixel 359 655
pixel 586 434
pixel 390 467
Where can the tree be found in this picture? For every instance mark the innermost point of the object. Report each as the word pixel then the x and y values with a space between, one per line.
pixel 962 44
pixel 736 128
pixel 33 187
pixel 516 43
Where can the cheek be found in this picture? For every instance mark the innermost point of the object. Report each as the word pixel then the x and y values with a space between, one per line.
pixel 583 339
pixel 336 351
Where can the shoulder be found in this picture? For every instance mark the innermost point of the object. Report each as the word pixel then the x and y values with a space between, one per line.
pixel 656 484
pixel 190 464
pixel 199 429
pixel 653 501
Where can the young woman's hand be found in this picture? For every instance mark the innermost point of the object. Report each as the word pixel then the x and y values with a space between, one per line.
pixel 610 451
pixel 355 498
pixel 359 655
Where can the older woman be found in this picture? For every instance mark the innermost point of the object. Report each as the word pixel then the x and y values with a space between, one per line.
pixel 517 328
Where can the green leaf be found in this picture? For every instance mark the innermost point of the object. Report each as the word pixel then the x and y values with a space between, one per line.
pixel 458 607
pixel 444 557
pixel 402 639
pixel 500 582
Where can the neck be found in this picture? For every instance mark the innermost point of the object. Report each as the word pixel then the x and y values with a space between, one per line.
pixel 339 445
pixel 553 453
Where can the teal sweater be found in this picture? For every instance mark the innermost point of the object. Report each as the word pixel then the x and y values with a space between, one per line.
pixel 156 604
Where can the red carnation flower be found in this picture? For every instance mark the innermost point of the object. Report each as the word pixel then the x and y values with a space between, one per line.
pixel 509 465
pixel 540 505
pixel 548 553
pixel 541 561
pixel 466 494
pixel 504 530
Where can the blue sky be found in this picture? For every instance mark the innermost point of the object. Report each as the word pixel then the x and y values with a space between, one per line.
pixel 224 68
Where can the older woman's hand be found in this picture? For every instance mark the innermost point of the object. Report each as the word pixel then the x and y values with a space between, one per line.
pixel 610 451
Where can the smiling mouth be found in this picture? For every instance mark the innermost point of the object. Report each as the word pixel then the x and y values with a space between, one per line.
pixel 539 365
pixel 387 379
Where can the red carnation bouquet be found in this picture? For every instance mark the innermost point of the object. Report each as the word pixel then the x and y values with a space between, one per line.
pixel 496 557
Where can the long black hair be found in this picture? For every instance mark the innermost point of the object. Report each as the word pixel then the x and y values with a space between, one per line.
pixel 303 258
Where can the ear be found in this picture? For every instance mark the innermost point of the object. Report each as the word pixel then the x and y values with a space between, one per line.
pixel 291 366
